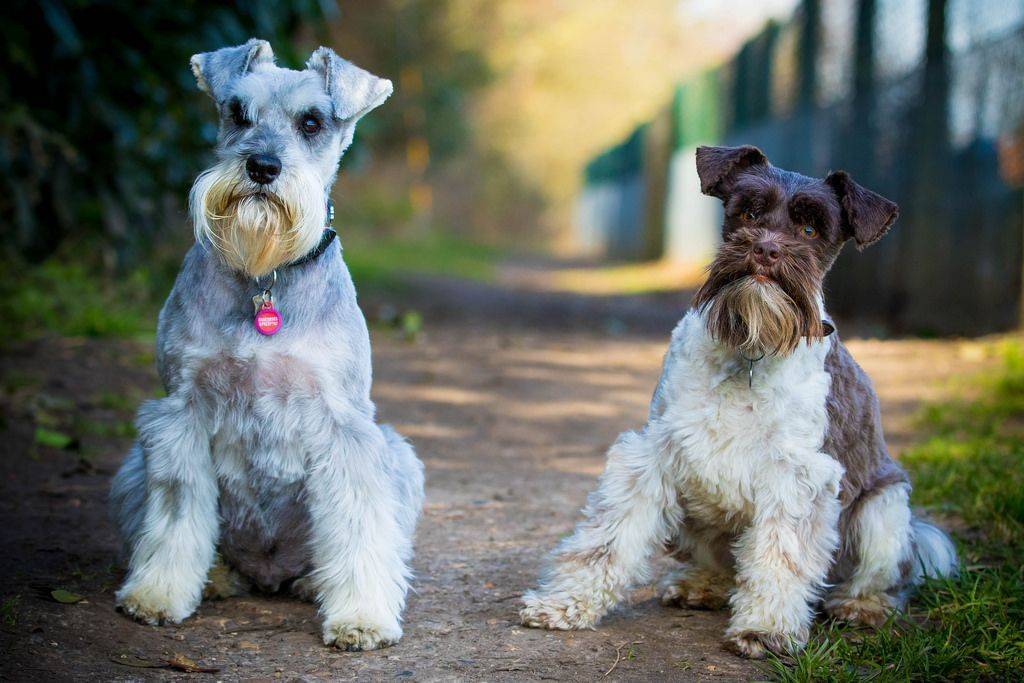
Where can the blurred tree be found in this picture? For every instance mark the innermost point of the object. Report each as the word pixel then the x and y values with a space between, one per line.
pixel 433 50
pixel 97 138
pixel 809 48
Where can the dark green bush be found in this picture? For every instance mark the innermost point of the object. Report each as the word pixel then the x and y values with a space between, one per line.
pixel 101 128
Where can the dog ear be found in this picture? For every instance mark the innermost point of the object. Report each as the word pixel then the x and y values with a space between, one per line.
pixel 867 215
pixel 354 91
pixel 215 70
pixel 716 165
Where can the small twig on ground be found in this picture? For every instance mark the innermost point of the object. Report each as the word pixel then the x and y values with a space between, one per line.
pixel 618 655
pixel 280 626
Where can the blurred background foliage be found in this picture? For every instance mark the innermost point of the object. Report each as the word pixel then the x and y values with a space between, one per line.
pixel 100 131
pixel 506 114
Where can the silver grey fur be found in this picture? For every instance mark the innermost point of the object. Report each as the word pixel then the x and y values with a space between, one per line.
pixel 265 449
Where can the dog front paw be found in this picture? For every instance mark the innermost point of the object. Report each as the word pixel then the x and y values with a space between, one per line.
pixel 757 645
pixel 153 607
pixel 354 637
pixel 557 614
pixel 866 611
pixel 697 592
pixel 304 588
pixel 223 582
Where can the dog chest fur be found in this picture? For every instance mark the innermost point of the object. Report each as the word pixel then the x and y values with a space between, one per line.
pixel 741 445
pixel 259 464
pixel 261 396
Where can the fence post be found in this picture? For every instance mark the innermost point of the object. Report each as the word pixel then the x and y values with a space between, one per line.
pixel 807 56
pixel 926 239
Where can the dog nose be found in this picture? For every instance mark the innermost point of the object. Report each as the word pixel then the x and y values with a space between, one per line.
pixel 766 252
pixel 263 168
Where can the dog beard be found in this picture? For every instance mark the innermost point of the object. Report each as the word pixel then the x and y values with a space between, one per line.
pixel 757 316
pixel 757 312
pixel 254 230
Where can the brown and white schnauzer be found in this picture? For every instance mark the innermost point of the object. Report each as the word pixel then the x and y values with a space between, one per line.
pixel 762 467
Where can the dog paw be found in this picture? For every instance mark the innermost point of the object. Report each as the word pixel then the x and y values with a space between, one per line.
pixel 224 582
pixel 146 608
pixel 709 595
pixel 358 637
pixel 757 645
pixel 866 611
pixel 566 614
pixel 304 589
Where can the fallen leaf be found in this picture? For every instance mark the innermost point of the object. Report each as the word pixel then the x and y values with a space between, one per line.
pixel 180 662
pixel 65 597
pixel 412 323
pixel 136 662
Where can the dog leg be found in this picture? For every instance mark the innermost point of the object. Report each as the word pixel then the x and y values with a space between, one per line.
pixel 782 561
pixel 175 533
pixel 360 546
pixel 880 533
pixel 705 579
pixel 626 520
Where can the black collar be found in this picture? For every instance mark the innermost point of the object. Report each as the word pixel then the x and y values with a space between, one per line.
pixel 318 250
pixel 325 240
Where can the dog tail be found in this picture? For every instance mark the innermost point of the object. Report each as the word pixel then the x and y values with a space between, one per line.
pixel 934 552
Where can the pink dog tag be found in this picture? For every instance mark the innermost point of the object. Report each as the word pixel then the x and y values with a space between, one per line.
pixel 267 320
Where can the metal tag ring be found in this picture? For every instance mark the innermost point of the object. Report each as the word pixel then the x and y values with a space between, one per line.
pixel 273 282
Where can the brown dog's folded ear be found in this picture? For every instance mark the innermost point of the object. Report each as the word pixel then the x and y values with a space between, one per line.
pixel 716 165
pixel 867 215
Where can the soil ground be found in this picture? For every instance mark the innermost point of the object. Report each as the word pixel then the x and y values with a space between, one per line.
pixel 512 423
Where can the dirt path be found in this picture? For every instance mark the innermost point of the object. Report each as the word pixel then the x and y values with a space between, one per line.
pixel 512 427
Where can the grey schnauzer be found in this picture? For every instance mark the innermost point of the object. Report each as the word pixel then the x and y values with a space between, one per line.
pixel 263 466
pixel 762 467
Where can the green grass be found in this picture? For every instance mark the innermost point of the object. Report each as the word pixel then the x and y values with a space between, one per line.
pixel 971 471
pixel 381 263
pixel 75 300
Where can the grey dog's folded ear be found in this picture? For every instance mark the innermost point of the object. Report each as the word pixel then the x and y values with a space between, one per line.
pixel 354 91
pixel 214 71
pixel 867 215
pixel 717 165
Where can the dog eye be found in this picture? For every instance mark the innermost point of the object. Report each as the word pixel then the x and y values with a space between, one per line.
pixel 749 215
pixel 809 231
pixel 238 116
pixel 310 125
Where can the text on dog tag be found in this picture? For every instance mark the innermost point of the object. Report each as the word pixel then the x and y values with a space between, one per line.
pixel 267 320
